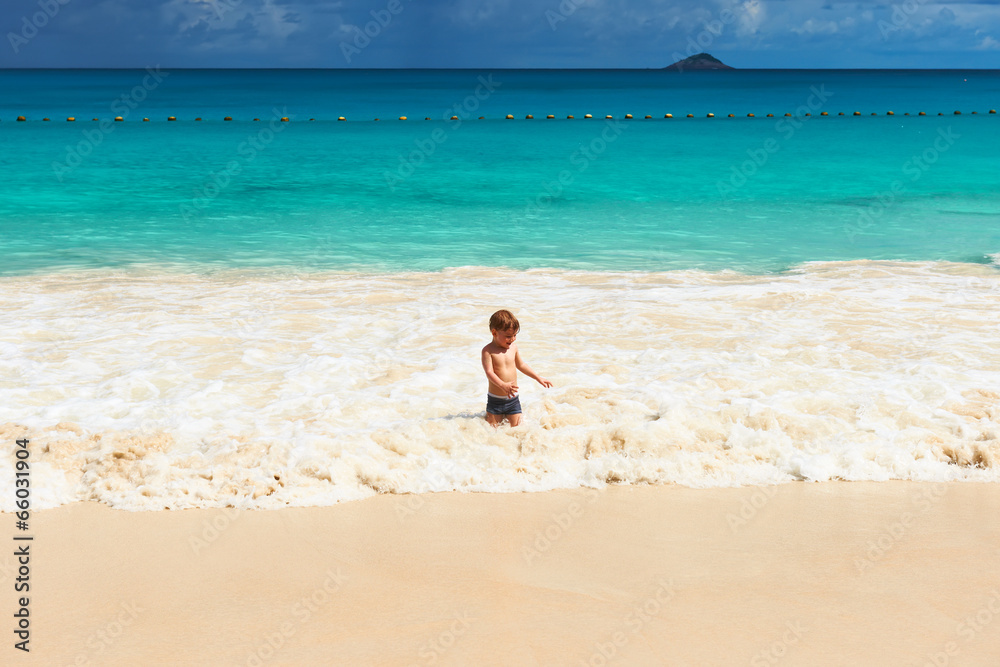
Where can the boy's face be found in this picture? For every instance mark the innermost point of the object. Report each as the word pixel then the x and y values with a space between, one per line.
pixel 504 338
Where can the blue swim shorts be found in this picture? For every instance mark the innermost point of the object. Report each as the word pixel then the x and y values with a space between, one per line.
pixel 497 405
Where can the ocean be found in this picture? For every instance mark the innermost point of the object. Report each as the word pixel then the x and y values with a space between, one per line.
pixel 264 313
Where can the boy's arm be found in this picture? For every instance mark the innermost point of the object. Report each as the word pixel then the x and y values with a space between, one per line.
pixel 526 369
pixel 509 387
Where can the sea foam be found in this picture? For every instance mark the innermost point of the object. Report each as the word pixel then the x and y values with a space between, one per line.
pixel 152 390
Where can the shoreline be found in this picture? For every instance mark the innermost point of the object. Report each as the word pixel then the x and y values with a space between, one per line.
pixel 801 574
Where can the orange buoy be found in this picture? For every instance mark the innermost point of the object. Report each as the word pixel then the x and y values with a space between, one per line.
pixel 609 117
pixel 70 119
pixel 453 118
pixel 730 116
pixel 376 119
pixel 550 116
pixel 198 119
pixel 788 114
pixel 770 115
pixel 400 118
pixel 940 113
pixel 94 119
pixel 974 113
pixel 284 119
pixel 529 117
pixel 841 113
pixel 648 117
pixel 958 113
pixel 690 115
pixel 711 115
pixel 21 119
pixel 823 113
pixel 230 118
pixel 44 119
pixel 922 113
pixel 808 114
pixel 256 118
pixel 341 118
pixel 175 118
pixel 628 116
pixel 482 117
pixel 993 110
pixel 889 113
pixel 427 117
pixel 510 117
pixel 749 115
pixel 119 119
pixel 668 115
pixel 589 116
pixel 145 120
pixel 569 117
pixel 857 113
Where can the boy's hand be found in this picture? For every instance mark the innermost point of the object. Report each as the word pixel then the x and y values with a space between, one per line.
pixel 545 383
pixel 510 388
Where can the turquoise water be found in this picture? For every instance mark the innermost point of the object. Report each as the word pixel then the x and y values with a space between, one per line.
pixel 749 194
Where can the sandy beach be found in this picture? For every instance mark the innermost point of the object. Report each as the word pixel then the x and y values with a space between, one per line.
pixel 891 573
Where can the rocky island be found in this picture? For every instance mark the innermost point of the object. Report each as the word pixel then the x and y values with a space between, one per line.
pixel 701 61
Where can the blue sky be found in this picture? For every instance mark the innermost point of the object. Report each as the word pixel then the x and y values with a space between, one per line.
pixel 497 33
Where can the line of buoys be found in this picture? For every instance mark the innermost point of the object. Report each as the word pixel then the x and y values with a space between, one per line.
pixel 628 116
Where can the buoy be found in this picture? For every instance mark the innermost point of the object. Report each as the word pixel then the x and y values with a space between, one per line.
pixel 175 118
pixel 648 117
pixel 454 118
pixel 922 113
pixel 958 113
pixel 857 113
pixel 788 114
pixel 427 117
pixel 628 116
pixel 400 118
pixel 312 119
pixel 668 115
pixel 230 118
pixel 44 119
pixel 256 118
pixel 824 113
pixel 94 119
pixel 376 119
pixel 749 115
pixel 145 120
pixel 609 117
pixel 284 119
pixel 874 114
pixel 528 117
pixel 993 110
pixel 570 117
pixel 690 115
pixel 730 116
pixel 711 115
pixel 70 119
pixel 770 115
pixel 510 117
pixel 550 117
pixel 808 114
pixel 21 119
pixel 482 117
pixel 119 119
pixel 198 119
pixel 940 113
pixel 341 118
pixel 889 113
pixel 841 113
pixel 589 116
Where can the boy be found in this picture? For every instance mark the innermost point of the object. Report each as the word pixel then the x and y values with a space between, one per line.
pixel 501 361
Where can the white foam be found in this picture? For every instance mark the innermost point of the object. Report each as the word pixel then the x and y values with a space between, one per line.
pixel 167 390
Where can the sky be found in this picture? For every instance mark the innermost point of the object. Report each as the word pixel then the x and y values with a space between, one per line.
pixel 498 33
